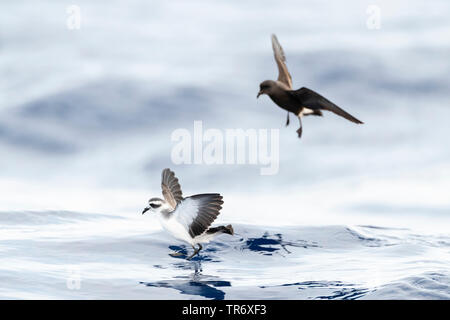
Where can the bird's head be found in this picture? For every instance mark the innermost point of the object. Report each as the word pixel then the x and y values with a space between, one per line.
pixel 155 205
pixel 266 87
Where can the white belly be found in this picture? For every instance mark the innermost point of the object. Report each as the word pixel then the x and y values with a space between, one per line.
pixel 204 237
pixel 176 229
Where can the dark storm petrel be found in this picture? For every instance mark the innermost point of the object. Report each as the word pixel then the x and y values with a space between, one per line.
pixel 301 102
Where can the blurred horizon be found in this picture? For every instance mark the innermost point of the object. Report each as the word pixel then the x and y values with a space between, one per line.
pixel 86 115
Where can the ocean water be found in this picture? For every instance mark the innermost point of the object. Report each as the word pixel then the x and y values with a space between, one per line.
pixel 86 117
pixel 65 255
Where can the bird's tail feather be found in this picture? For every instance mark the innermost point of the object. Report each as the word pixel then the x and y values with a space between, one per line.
pixel 221 229
pixel 346 115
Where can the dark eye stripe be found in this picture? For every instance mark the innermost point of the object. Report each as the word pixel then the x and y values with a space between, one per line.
pixel 154 205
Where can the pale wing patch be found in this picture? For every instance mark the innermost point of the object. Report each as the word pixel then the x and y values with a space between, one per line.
pixel 198 212
pixel 186 212
pixel 280 58
pixel 171 189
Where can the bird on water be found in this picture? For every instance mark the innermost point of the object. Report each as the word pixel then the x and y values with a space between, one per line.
pixel 301 102
pixel 187 219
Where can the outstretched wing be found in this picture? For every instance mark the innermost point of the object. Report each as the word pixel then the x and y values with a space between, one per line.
pixel 199 211
pixel 171 189
pixel 315 101
pixel 280 58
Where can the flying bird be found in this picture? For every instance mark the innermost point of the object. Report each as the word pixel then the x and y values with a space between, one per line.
pixel 301 102
pixel 187 219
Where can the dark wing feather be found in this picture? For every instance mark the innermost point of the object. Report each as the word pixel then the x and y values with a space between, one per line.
pixel 315 101
pixel 171 189
pixel 208 208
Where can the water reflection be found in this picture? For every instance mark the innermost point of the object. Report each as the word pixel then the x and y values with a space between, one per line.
pixel 268 244
pixel 203 255
pixel 195 284
pixel 328 290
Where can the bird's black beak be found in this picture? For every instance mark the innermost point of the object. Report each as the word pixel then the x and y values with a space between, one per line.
pixel 259 93
pixel 145 210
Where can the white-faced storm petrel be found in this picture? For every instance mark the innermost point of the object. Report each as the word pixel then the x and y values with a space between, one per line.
pixel 187 219
pixel 301 102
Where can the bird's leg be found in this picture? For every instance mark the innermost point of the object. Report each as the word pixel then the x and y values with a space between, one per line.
pixel 193 255
pixel 287 119
pixel 196 251
pixel 300 130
